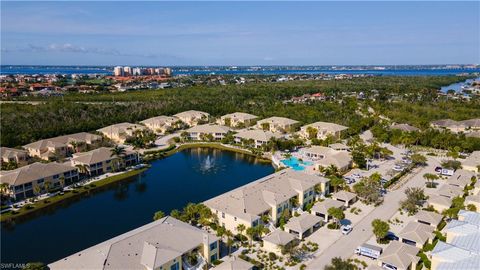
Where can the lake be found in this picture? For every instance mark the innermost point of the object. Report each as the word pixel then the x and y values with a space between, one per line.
pixel 193 175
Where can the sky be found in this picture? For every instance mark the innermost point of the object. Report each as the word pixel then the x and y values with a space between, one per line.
pixel 239 33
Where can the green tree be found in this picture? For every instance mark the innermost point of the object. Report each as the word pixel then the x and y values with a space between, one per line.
pixel 337 214
pixel 340 264
pixel 418 159
pixel 158 215
pixel 380 229
pixel 414 200
pixel 251 232
pixel 430 178
pixel 312 132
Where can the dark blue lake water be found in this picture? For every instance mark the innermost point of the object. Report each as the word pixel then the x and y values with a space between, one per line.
pixel 193 175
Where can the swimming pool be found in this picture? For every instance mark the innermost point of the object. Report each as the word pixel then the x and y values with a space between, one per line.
pixel 296 164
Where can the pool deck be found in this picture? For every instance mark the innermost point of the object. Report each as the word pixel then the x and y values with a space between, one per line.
pixel 278 158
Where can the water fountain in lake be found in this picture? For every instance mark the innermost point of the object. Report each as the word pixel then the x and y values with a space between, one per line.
pixel 207 165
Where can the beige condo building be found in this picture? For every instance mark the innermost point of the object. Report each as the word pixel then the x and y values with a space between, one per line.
pixel 62 145
pixel 193 118
pixel 120 132
pixel 238 119
pixel 322 130
pixel 268 196
pixel 160 124
pixel 163 244
pixel 37 178
pixel 277 124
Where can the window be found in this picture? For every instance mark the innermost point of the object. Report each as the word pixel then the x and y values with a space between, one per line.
pixel 213 245
pixel 311 192
pixel 28 185
pixel 223 215
pixel 56 176
pixel 255 223
pixel 279 210
pixel 39 181
pixel 213 257
pixel 174 266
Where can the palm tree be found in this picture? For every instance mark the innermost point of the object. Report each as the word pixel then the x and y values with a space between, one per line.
pixel 83 169
pixel 337 214
pixel 430 177
pixel 74 145
pixel 240 229
pixel 251 232
pixel 312 132
pixel 62 181
pixel 336 182
pixel 229 243
pixel 118 151
pixel 46 186
pixel 331 170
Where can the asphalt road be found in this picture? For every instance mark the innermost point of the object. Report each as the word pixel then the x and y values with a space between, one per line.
pixel 362 231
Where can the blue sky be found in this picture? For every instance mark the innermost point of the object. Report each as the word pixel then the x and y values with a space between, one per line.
pixel 235 33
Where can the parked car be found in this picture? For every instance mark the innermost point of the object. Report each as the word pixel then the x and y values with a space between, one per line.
pixel 346 229
pixel 391 236
pixel 398 168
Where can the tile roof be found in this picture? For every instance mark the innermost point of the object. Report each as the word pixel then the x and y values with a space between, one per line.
pixel 417 232
pixel 279 237
pixel 303 222
pixel 400 255
pixel 251 200
pixel 258 135
pixel 209 128
pixel 429 217
pixel 150 245
pixel 326 126
pixel 33 172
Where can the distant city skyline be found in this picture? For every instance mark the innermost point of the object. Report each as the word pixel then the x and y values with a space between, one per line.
pixel 239 34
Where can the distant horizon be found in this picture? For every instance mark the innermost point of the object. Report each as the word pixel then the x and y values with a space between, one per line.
pixel 233 65
pixel 239 33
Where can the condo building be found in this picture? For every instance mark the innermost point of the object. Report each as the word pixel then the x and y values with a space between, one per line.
pixel 37 178
pixel 163 244
pixel 193 118
pixel 321 130
pixel 277 124
pixel 238 119
pixel 268 196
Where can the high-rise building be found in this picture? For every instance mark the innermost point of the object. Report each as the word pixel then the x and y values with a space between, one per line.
pixel 118 71
pixel 137 71
pixel 127 71
pixel 158 71
pixel 167 71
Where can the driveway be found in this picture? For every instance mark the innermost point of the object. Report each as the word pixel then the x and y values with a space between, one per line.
pixel 362 231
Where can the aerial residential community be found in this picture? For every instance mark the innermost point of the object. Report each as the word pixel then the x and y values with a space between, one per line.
pixel 240 136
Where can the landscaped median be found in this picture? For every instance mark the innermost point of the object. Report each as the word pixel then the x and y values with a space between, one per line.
pixel 174 149
pixel 30 208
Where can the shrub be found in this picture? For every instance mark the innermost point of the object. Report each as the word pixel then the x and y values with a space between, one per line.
pixel 332 226
pixel 272 256
pixel 303 267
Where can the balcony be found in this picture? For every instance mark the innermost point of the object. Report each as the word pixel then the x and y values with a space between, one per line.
pixel 200 262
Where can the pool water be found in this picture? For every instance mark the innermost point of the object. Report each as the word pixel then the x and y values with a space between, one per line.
pixel 296 164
